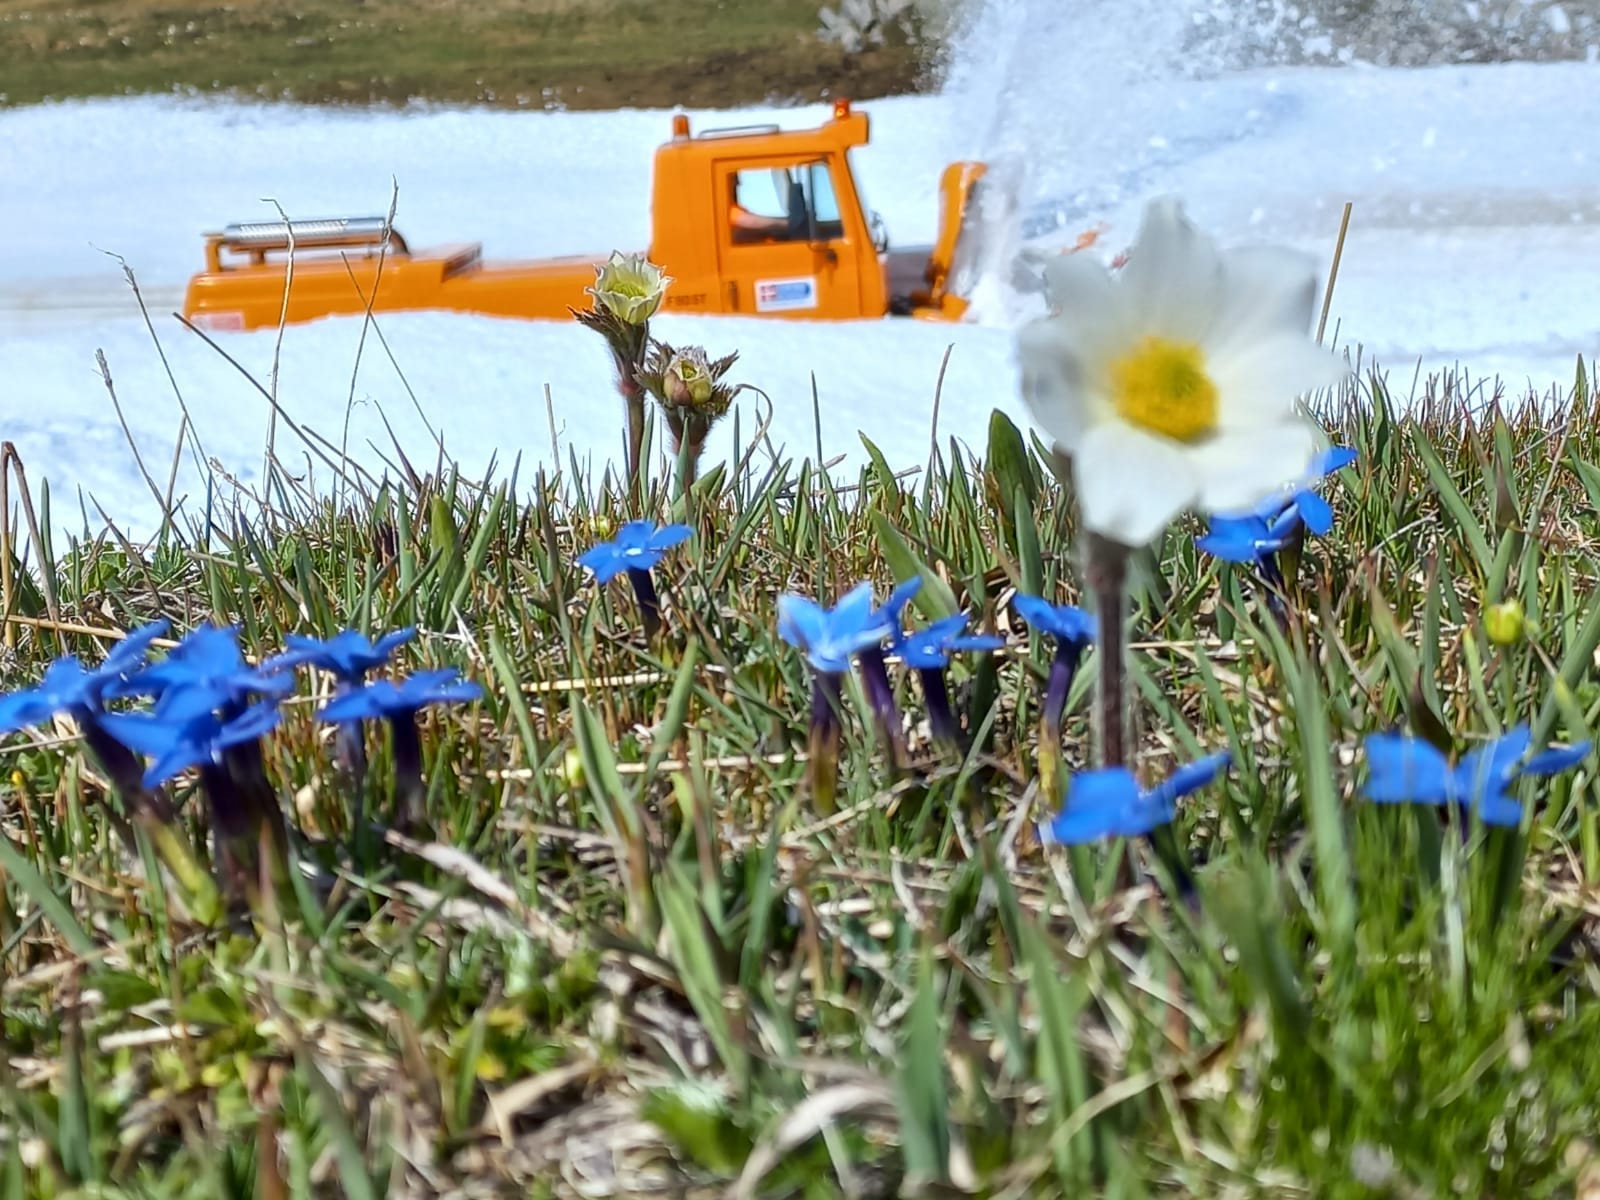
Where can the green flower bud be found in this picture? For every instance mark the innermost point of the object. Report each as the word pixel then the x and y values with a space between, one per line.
pixel 572 768
pixel 1504 623
pixel 688 378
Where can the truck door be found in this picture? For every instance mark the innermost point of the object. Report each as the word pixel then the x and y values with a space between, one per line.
pixel 781 242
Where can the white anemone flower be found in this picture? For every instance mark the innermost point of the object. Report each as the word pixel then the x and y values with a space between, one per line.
pixel 1175 384
pixel 629 286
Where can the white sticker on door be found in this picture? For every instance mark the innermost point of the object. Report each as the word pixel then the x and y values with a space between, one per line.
pixel 786 295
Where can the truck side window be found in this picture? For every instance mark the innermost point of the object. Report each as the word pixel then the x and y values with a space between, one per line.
pixel 767 204
pixel 823 202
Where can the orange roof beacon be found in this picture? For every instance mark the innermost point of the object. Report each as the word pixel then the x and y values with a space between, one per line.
pixel 752 220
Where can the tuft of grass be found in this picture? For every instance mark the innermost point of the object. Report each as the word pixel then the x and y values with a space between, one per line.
pixel 635 962
pixel 576 54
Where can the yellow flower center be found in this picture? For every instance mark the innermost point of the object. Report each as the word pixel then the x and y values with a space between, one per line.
pixel 1162 387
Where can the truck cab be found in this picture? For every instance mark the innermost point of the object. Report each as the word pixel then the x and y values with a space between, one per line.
pixel 763 222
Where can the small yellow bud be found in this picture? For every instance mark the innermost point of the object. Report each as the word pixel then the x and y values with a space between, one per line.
pixel 1504 623
pixel 572 768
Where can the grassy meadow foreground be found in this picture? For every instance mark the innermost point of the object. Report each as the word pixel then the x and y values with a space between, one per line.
pixel 578 54
pixel 625 956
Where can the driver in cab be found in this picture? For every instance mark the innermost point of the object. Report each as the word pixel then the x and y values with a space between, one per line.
pixel 752 227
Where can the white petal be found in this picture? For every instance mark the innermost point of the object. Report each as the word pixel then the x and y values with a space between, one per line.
pixel 1061 380
pixel 1077 283
pixel 1266 290
pixel 1131 485
pixel 1174 275
pixel 1239 469
pixel 1259 381
pixel 1092 309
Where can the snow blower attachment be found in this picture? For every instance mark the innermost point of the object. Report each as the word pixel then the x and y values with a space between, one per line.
pixel 751 220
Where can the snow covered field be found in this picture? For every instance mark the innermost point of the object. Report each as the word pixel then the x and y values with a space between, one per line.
pixel 1475 242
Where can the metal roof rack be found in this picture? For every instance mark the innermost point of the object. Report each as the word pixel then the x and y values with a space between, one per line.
pixel 330 231
pixel 736 131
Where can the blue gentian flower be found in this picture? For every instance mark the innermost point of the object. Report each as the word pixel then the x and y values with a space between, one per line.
pixel 638 546
pixel 875 669
pixel 1073 630
pixel 927 652
pixel 892 614
pixel 930 649
pixel 348 655
pixel 1064 622
pixel 68 687
pixel 1556 759
pixel 399 703
pixel 128 655
pixel 207 658
pixel 65 688
pixel 1109 802
pixel 831 638
pixel 187 735
pixel 1312 508
pixel 1258 536
pixel 383 698
pixel 1408 770
pixel 1251 539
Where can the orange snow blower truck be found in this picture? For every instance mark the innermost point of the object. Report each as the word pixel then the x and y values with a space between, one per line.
pixel 751 220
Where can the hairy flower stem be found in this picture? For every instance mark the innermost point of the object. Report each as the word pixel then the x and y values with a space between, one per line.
pixel 1106 572
pixel 633 399
pixel 409 792
pixel 153 814
pixel 942 720
pixel 822 766
pixel 885 712
pixel 689 432
pixel 644 590
pixel 629 344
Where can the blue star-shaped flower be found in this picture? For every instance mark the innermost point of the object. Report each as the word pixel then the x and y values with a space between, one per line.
pixel 68 687
pixel 385 699
pixel 892 614
pixel 1309 507
pixel 1064 622
pixel 930 649
pixel 348 655
pixel 1408 770
pixel 1109 803
pixel 208 658
pixel 65 687
pixel 184 735
pixel 638 546
pixel 128 655
pixel 831 638
pixel 1251 539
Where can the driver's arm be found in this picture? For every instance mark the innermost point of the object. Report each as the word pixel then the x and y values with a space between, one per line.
pixel 742 218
